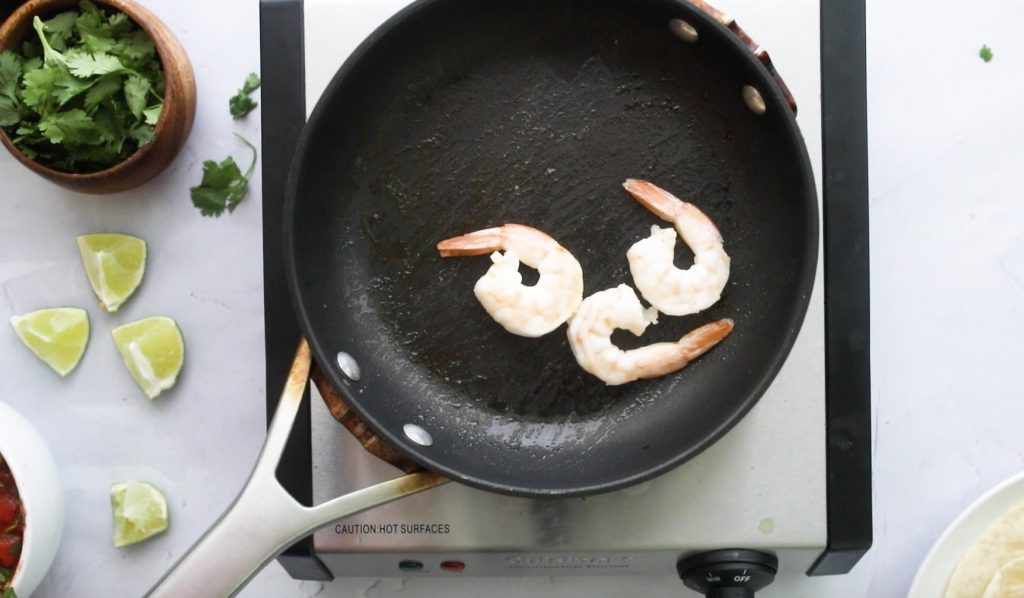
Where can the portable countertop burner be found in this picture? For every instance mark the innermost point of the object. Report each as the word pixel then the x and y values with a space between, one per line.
pixel 786 490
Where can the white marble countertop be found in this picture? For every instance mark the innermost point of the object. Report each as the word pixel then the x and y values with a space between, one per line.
pixel 947 226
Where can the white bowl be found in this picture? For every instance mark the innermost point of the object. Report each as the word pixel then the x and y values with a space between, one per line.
pixel 35 474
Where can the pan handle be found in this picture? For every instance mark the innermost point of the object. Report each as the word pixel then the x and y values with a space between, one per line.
pixel 264 519
pixel 730 23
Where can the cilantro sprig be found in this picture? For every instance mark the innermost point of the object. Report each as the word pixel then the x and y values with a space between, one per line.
pixel 985 53
pixel 84 93
pixel 223 186
pixel 241 104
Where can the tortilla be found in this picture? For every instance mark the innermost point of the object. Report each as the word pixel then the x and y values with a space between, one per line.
pixel 1008 582
pixel 1001 542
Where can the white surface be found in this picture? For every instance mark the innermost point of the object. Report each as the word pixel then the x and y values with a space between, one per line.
pixel 947 300
pixel 38 482
pixel 932 576
pixel 769 467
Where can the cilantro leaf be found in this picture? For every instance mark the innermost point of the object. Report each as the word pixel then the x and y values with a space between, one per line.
pixel 251 84
pixel 73 126
pixel 83 64
pixel 136 88
pixel 209 200
pixel 152 114
pixel 96 42
pixel 39 88
pixel 110 125
pixel 93 29
pixel 90 9
pixel 986 53
pixel 142 134
pixel 50 56
pixel 135 46
pixel 9 593
pixel 223 186
pixel 62 24
pixel 241 105
pixel 69 87
pixel 118 24
pixel 11 67
pixel 102 89
pixel 33 63
pixel 9 113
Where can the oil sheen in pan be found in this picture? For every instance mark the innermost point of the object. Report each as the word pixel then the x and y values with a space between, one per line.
pixel 545 182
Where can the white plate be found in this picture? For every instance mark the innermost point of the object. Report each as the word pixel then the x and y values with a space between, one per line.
pixel 932 576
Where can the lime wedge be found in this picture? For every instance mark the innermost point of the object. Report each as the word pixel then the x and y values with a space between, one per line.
pixel 154 352
pixel 57 335
pixel 140 512
pixel 114 264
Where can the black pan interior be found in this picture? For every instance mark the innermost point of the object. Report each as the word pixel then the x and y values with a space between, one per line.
pixel 460 115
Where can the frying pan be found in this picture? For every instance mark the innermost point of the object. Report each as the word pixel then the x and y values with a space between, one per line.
pixel 458 115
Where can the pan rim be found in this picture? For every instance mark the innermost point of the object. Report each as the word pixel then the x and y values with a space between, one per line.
pixel 806 276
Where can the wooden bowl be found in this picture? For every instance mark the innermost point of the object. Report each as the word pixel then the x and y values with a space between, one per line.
pixel 176 119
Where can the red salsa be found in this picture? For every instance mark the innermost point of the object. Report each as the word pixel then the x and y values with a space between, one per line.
pixel 12 525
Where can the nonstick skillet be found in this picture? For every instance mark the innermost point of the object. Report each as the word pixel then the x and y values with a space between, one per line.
pixel 457 115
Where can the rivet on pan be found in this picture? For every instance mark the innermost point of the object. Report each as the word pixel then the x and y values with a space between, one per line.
pixel 683 30
pixel 754 100
pixel 348 366
pixel 418 435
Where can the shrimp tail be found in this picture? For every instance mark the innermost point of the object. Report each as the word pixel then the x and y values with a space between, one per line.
pixel 654 198
pixel 481 242
pixel 701 340
pixel 665 358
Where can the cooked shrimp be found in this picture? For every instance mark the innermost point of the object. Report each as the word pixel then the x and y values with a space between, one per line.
pixel 674 291
pixel 590 332
pixel 524 310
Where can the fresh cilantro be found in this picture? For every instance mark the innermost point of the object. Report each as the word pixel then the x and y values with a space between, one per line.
pixel 240 103
pixel 136 48
pixel 74 126
pixel 985 53
pixel 83 64
pixel 142 134
pixel 9 113
pixel 50 56
pixel 11 67
pixel 136 89
pixel 252 83
pixel 69 87
pixel 103 88
pixel 223 186
pixel 5 575
pixel 40 89
pixel 84 93
pixel 61 25
pixel 9 593
pixel 10 101
pixel 152 114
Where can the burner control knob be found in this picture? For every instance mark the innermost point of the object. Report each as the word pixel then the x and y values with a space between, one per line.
pixel 732 573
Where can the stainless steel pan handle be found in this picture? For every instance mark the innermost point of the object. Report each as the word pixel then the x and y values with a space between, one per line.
pixel 265 519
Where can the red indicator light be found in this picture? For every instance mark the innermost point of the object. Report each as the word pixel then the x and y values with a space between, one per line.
pixel 453 566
